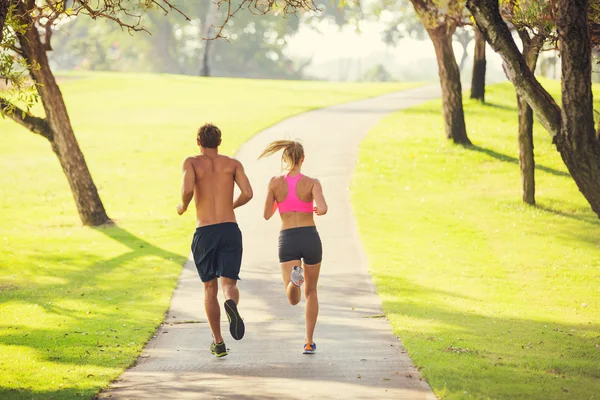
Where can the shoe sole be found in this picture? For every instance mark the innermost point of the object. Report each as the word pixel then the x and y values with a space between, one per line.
pixel 236 324
pixel 219 355
pixel 309 352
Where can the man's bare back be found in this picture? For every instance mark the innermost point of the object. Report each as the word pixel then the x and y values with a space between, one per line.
pixel 211 178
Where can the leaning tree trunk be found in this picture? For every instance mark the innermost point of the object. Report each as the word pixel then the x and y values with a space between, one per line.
pixel 572 127
pixel 526 157
pixel 577 141
pixel 479 66
pixel 454 117
pixel 63 141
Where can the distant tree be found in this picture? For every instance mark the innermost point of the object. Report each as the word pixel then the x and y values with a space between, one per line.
pixel 378 74
pixel 249 45
pixel 533 21
pixel 464 36
pixel 441 23
pixel 479 67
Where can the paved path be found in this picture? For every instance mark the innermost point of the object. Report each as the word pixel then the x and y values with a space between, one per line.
pixel 358 356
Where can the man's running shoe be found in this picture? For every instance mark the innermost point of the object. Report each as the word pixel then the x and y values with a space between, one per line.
pixel 310 348
pixel 297 277
pixel 236 324
pixel 218 349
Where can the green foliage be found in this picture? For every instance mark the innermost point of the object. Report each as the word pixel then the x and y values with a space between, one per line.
pixel 78 304
pixel 16 84
pixel 440 13
pixel 536 16
pixel 402 21
pixel 254 44
pixel 493 299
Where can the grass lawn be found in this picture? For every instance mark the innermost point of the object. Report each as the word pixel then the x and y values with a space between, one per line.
pixel 492 299
pixel 78 304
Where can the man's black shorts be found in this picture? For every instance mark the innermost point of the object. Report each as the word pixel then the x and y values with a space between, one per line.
pixel 217 251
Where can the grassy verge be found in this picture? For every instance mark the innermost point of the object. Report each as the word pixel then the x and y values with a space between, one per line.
pixel 78 304
pixel 492 299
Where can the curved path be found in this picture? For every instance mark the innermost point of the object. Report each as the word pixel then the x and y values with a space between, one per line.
pixel 358 357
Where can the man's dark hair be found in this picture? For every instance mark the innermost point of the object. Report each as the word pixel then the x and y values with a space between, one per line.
pixel 209 136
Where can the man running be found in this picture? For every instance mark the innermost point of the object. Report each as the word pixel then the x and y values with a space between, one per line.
pixel 217 242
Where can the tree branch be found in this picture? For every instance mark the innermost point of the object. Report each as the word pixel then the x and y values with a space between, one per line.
pixel 497 34
pixel 34 124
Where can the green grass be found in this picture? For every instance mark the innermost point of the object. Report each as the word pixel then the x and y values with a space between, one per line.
pixel 493 299
pixel 78 304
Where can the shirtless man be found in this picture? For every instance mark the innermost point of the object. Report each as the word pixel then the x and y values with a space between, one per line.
pixel 217 243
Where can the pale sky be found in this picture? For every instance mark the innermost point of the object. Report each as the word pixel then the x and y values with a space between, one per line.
pixel 335 43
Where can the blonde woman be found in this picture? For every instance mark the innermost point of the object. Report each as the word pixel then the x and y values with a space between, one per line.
pixel 298 197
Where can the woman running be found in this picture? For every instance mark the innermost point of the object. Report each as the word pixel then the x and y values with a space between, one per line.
pixel 299 241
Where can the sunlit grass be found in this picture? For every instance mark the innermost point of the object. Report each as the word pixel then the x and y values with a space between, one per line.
pixel 78 304
pixel 493 299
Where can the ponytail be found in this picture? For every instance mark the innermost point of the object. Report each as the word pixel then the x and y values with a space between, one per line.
pixel 293 152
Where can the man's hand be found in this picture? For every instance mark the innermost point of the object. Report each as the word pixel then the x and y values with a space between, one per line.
pixel 181 209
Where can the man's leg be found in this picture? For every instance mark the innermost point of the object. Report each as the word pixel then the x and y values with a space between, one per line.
pixel 232 298
pixel 213 311
pixel 230 289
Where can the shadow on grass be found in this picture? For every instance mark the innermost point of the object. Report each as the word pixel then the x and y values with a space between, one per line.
pixel 102 309
pixel 590 219
pixel 497 357
pixel 514 160
pixel 499 106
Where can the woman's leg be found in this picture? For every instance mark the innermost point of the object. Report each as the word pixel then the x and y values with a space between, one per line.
pixel 292 291
pixel 311 278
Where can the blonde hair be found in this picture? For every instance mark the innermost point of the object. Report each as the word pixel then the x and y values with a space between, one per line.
pixel 293 152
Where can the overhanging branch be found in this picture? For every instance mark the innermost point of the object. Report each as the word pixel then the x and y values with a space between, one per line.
pixel 34 124
pixel 496 32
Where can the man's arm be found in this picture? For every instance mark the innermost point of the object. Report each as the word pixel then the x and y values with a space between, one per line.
pixel 187 187
pixel 270 203
pixel 244 184
pixel 317 192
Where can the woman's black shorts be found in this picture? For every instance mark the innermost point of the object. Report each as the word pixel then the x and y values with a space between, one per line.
pixel 301 243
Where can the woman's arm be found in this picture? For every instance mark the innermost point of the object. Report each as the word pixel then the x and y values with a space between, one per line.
pixel 321 204
pixel 270 203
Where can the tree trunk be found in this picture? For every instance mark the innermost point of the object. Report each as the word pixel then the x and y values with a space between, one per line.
pixel 454 117
pixel 4 4
pixel 206 27
pixel 463 59
pixel 163 43
pixel 572 128
pixel 577 142
pixel 496 32
pixel 479 66
pixel 531 52
pixel 526 159
pixel 64 143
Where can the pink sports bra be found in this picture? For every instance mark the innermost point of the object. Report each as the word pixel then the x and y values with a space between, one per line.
pixel 292 202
